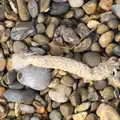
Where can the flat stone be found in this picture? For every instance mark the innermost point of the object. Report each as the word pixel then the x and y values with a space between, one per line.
pixel 116 9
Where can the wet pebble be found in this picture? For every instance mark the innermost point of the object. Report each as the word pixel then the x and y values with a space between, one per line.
pixel 66 109
pixel 40 28
pixel 106 38
pixel 34 77
pixel 55 115
pixel 22 30
pixel 92 58
pixel 58 8
pixel 27 108
pixel 33 8
pixel 76 3
pixel 75 98
pixel 116 9
pixel 60 93
pixel 19 46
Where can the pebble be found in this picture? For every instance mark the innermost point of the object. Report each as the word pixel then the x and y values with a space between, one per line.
pixel 95 47
pixel 67 80
pixel 22 30
pixel 2 91
pixel 116 50
pixel 106 4
pixel 55 115
pixel 93 96
pixel 2 29
pixel 92 58
pixel 40 28
pixel 40 18
pixel 55 104
pixel 102 29
pixel 23 11
pixel 109 49
pixel 107 93
pixel 19 46
pixel 10 45
pixel 82 107
pixel 59 8
pixel 50 30
pixel 33 8
pixel 9 24
pixel 76 3
pixel 2 64
pixel 60 0
pixel 94 106
pixel 39 107
pixel 75 98
pixel 117 37
pixel 91 116
pixel 44 5
pixel 16 85
pixel 41 39
pixel 5 35
pixel 21 96
pixel 78 13
pixel 106 38
pixel 84 45
pixel 116 9
pixel 69 14
pixel 26 117
pixel 37 50
pixel 2 111
pixel 80 116
pixel 66 109
pixel 27 108
pixel 54 83
pixel 93 24
pixel 99 85
pixel 34 77
pixel 34 118
pixel 90 7
pixel 106 16
pixel 60 93
pixel 82 30
pixel 5 49
pixel 113 24
pixel 2 15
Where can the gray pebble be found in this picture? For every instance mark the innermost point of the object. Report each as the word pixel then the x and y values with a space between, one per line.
pixel 40 28
pixel 2 15
pixel 55 115
pixel 116 50
pixel 60 0
pixel 113 24
pixel 41 18
pixel 116 9
pixel 93 96
pixel 16 85
pixel 22 30
pixel 78 12
pixel 33 8
pixel 26 117
pixel 34 118
pixel 27 108
pixel 55 104
pixel 59 8
pixel 37 50
pixel 34 77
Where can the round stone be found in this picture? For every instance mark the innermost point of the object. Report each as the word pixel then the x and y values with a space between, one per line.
pixel 76 3
pixel 55 115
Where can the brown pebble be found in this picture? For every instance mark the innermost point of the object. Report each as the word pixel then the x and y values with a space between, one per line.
pixel 2 64
pixel 2 90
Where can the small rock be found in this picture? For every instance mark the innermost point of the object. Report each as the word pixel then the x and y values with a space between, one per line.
pixel 66 109
pixel 106 16
pixel 22 30
pixel 76 3
pixel 82 30
pixel 2 15
pixel 34 77
pixel 54 83
pixel 91 116
pixel 16 85
pixel 10 45
pixel 75 98
pixel 41 39
pixel 2 111
pixel 2 64
pixel 95 47
pixel 78 12
pixel 94 106
pixel 93 96
pixel 59 8
pixel 69 14
pixel 50 30
pixel 23 11
pixel 2 91
pixel 113 24
pixel 40 28
pixel 107 93
pixel 84 45
pixel 80 116
pixel 92 58
pixel 60 93
pixel 93 23
pixel 60 0
pixel 106 38
pixel 116 9
pixel 37 50
pixel 5 49
pixel 82 107
pixel 70 36
pixel 67 80
pixel 27 108
pixel 39 107
pixel 90 6
pixel 116 50
pixel 34 118
pixel 26 117
pixel 33 8
pixel 19 46
pixel 41 18
pixel 99 85
pixel 55 104
pixel 44 5
pixel 117 37
pixel 106 4
pixel 5 35
pixel 55 115
pixel 102 29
